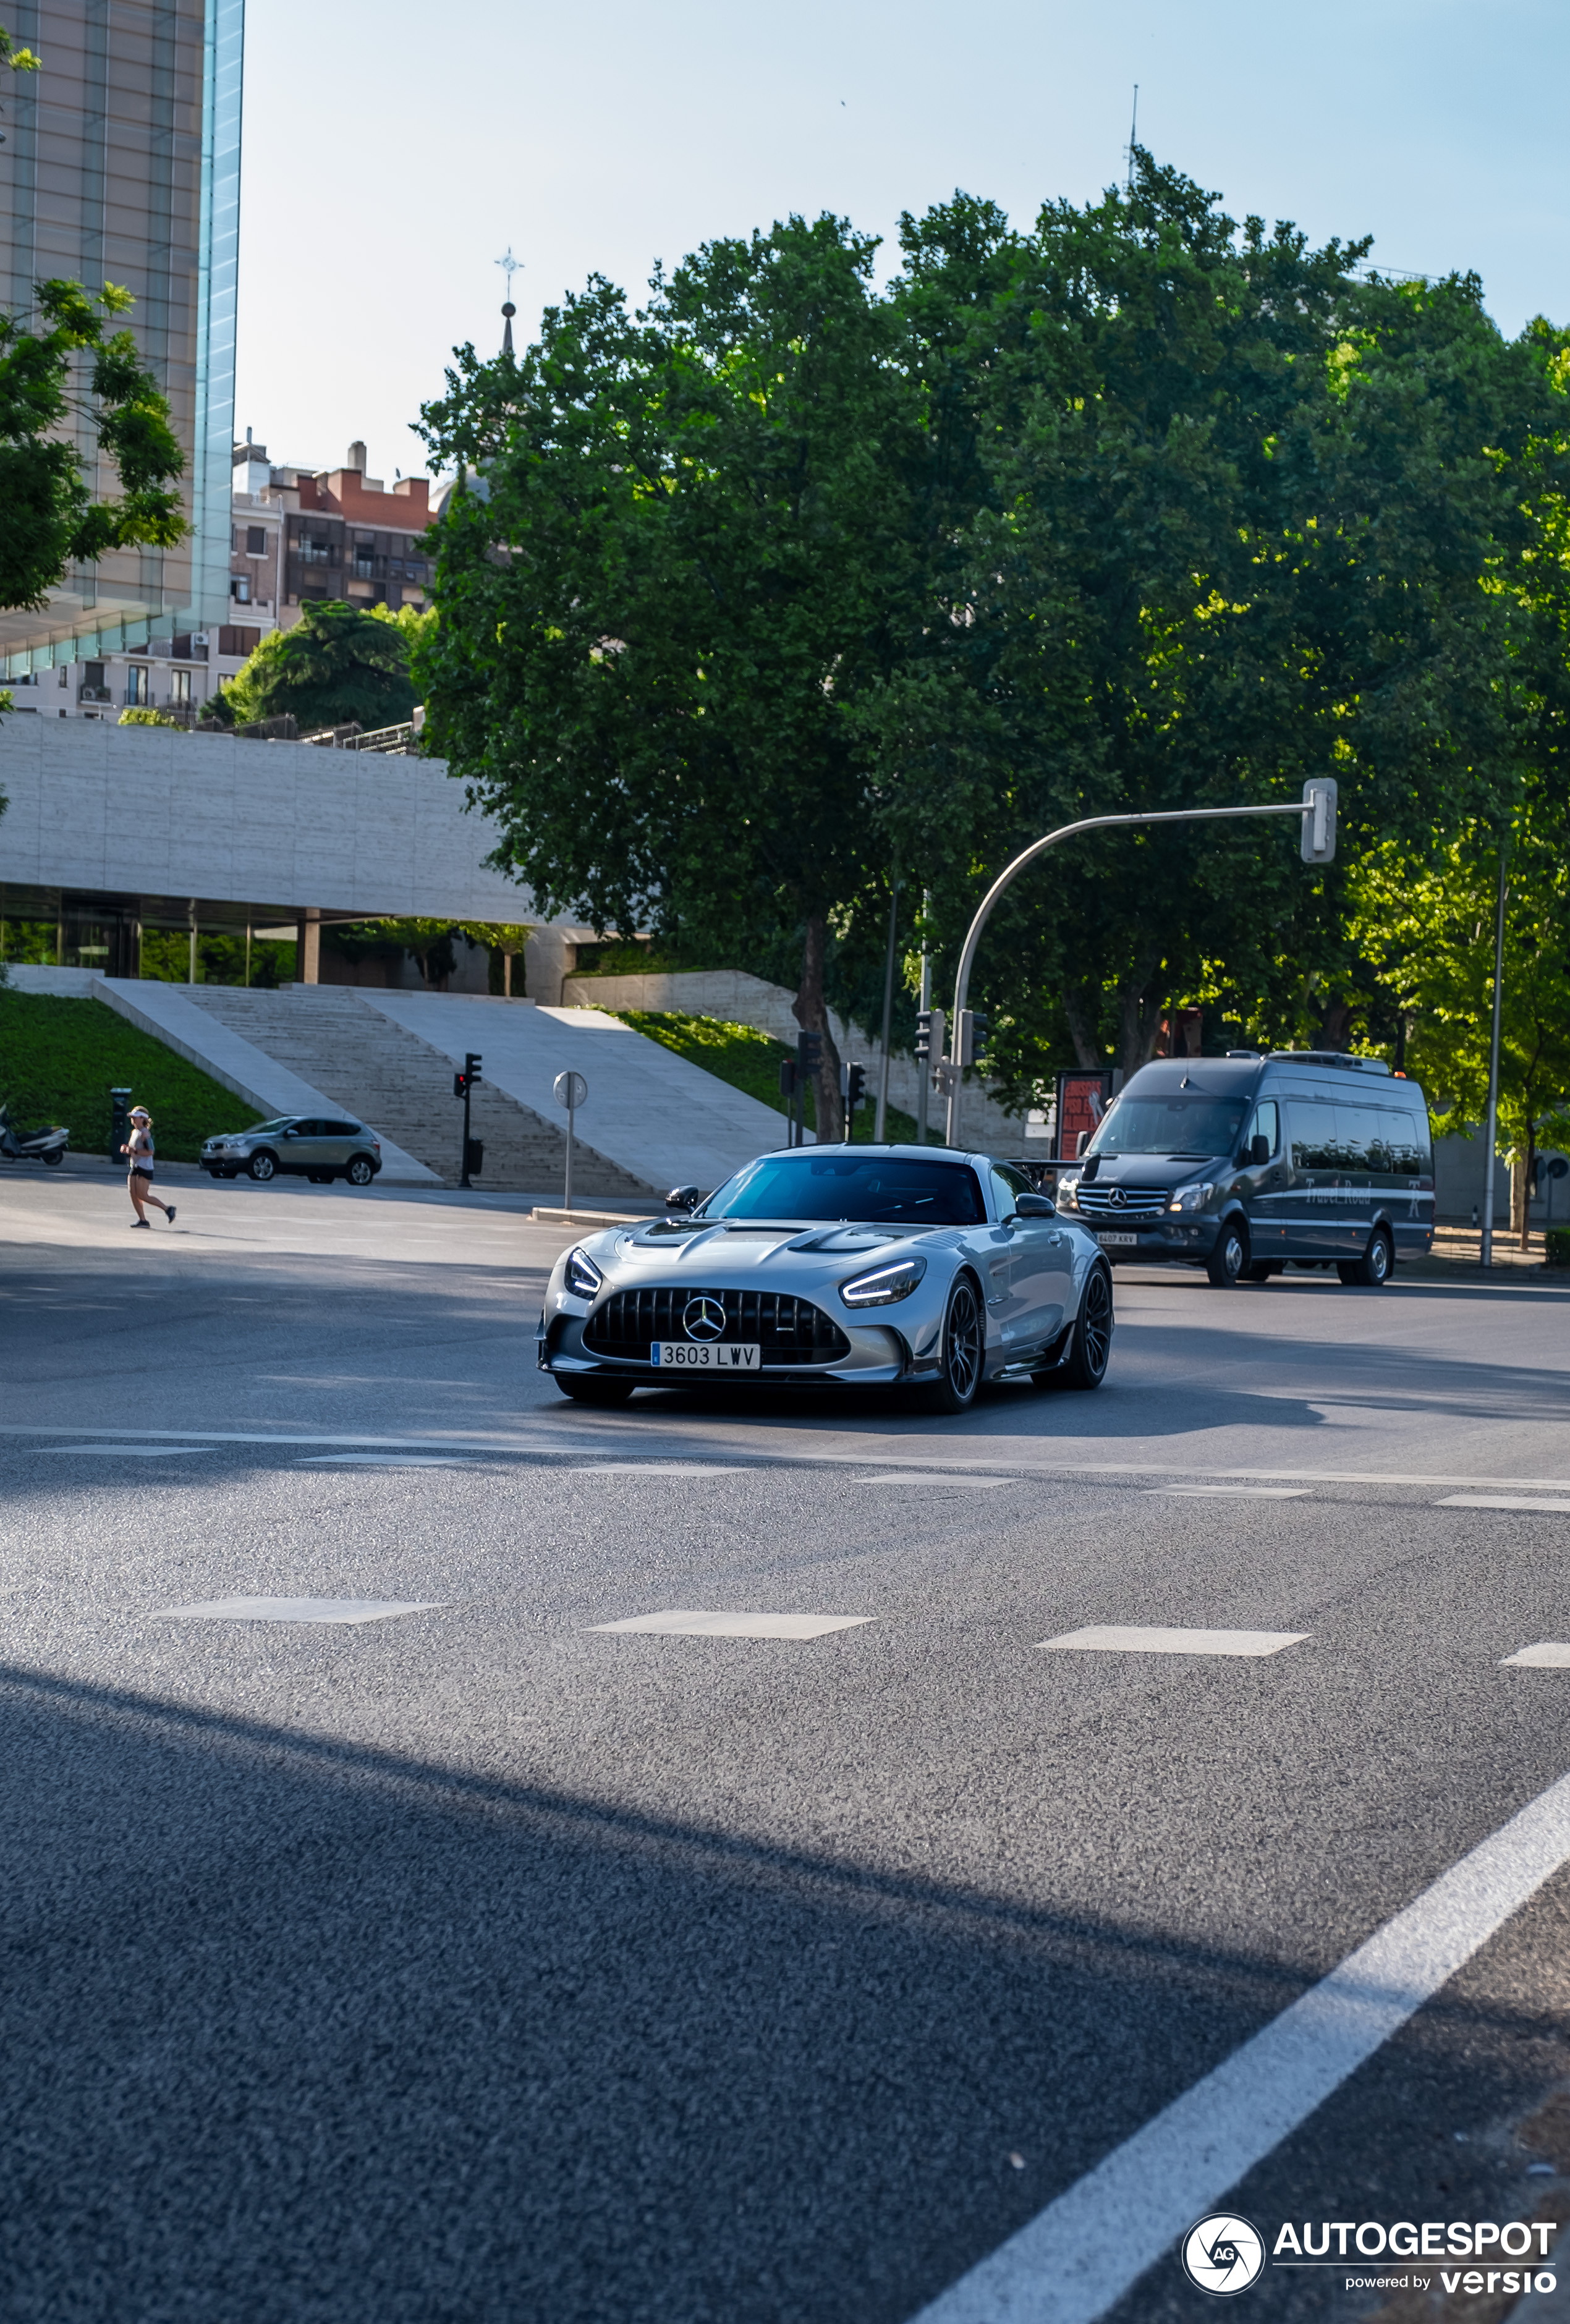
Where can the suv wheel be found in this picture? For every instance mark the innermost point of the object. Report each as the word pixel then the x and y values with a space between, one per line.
pixel 263 1166
pixel 1230 1257
pixel 1376 1265
pixel 359 1172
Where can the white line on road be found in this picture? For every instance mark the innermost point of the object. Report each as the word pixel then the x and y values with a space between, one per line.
pixel 930 1477
pixel 128 1451
pixel 1116 1639
pixel 650 1469
pixel 384 1461
pixel 300 1609
pixel 1069 2266
pixel 1548 1656
pixel 678 1625
pixel 1497 1501
pixel 1229 1492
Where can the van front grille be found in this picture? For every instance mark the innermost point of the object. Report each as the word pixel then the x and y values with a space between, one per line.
pixel 1115 1203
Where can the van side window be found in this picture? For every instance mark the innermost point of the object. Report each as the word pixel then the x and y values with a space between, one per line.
pixel 1312 1130
pixel 1411 1156
pixel 1265 1124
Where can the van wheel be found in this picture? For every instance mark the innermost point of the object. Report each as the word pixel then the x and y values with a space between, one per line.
pixel 1376 1265
pixel 1229 1259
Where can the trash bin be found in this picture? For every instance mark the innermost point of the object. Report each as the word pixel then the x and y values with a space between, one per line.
pixel 474 1156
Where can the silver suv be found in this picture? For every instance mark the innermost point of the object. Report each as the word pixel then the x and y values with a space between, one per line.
pixel 298 1146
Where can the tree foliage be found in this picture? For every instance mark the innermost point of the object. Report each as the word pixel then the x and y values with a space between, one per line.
pixel 60 367
pixel 336 665
pixel 788 580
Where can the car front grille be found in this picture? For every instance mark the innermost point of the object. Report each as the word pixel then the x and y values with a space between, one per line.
pixel 1114 1203
pixel 787 1331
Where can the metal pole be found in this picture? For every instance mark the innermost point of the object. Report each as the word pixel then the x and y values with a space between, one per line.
pixel 247 956
pixel 567 1190
pixel 924 1078
pixel 463 1172
pixel 881 1120
pixel 191 977
pixel 1010 873
pixel 1486 1251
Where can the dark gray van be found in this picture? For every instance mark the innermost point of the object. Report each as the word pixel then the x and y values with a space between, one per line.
pixel 1245 1164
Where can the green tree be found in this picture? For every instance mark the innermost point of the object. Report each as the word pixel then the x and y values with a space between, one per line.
pixel 692 558
pixel 51 519
pixel 1238 517
pixel 336 665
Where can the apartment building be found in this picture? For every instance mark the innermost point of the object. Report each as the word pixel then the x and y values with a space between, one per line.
pixel 296 535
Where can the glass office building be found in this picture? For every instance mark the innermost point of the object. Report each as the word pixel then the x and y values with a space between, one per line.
pixel 122 163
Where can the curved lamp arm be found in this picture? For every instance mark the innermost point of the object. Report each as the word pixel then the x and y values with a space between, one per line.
pixel 1012 872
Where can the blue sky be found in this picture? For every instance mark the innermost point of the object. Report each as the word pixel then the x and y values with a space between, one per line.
pixel 390 155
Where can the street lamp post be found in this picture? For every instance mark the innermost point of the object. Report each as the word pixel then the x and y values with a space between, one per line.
pixel 1315 810
pixel 1486 1248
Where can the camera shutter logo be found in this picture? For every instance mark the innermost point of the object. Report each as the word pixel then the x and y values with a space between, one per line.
pixel 703 1318
pixel 1223 2254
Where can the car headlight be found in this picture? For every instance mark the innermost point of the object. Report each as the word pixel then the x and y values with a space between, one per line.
pixel 583 1278
pixel 885 1285
pixel 1190 1198
pixel 1066 1198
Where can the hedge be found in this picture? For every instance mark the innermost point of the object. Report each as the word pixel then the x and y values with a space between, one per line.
pixel 59 1059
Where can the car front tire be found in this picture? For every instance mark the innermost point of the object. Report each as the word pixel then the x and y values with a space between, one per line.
pixel 588 1387
pixel 1228 1262
pixel 360 1172
pixel 262 1167
pixel 962 1352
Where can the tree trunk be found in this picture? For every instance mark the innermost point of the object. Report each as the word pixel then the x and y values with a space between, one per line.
pixel 1523 1171
pixel 1139 1020
pixel 1335 1025
pixel 811 1011
pixel 1081 1031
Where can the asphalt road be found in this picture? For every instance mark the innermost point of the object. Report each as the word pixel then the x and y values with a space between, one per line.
pixel 475 1962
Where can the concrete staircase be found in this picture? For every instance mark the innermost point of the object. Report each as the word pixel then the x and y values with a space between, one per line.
pixel 402 1087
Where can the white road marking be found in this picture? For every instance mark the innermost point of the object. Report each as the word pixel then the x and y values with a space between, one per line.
pixel 931 1478
pixel 650 1469
pixel 1230 1492
pixel 300 1609
pixel 1548 1656
pixel 384 1461
pixel 676 1624
pixel 1066 2266
pixel 1497 1501
pixel 1116 1639
pixel 129 1451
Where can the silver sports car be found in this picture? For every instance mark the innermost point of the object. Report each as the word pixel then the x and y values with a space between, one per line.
pixel 861 1265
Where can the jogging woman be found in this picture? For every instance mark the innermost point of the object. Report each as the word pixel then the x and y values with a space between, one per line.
pixel 139 1154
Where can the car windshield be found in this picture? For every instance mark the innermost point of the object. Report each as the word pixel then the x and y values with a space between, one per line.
pixel 1185 1126
pixel 876 1188
pixel 283 1122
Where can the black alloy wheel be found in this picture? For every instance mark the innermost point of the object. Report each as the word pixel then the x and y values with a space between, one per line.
pixel 1376 1265
pixel 359 1172
pixel 263 1166
pixel 961 1352
pixel 1229 1259
pixel 589 1388
pixel 1091 1346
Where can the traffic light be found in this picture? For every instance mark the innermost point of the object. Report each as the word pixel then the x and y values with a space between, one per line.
pixel 923 1036
pixel 463 1082
pixel 1319 823
pixel 973 1036
pixel 853 1082
pixel 808 1055
pixel 460 1086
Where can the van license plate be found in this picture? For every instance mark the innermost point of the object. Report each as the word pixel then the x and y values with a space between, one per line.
pixel 706 1355
pixel 1117 1242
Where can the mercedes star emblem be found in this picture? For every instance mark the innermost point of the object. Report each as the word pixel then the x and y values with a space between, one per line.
pixel 703 1318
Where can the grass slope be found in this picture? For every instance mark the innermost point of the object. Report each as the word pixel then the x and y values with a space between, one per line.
pixel 750 1061
pixel 59 1059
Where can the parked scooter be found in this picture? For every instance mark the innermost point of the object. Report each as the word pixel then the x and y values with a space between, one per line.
pixel 30 1145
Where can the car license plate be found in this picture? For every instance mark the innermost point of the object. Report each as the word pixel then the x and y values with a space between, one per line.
pixel 1117 1242
pixel 706 1355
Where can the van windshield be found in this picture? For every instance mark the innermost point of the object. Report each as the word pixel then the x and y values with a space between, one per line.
pixel 1182 1126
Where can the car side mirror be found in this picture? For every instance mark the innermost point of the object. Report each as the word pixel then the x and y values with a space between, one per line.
pixel 1035 1206
pixel 684 1198
pixel 1259 1148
